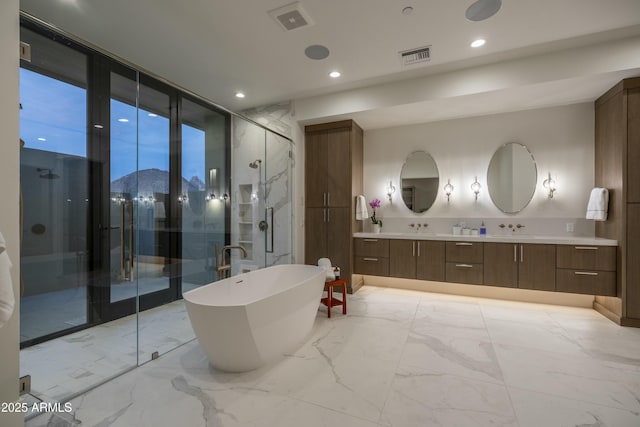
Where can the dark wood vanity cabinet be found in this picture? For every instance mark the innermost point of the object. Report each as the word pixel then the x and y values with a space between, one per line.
pixel 501 264
pixel 464 262
pixel 417 259
pixel 586 269
pixel 520 265
pixel 537 267
pixel 583 269
pixel 371 256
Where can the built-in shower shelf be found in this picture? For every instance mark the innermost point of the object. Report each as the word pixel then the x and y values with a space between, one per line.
pixel 245 242
pixel 245 222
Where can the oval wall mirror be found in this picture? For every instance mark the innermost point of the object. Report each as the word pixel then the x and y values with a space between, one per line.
pixel 512 177
pixel 419 181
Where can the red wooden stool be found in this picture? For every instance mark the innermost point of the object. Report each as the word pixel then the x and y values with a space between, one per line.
pixel 329 301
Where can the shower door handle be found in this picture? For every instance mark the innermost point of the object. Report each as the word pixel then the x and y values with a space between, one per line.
pixel 268 225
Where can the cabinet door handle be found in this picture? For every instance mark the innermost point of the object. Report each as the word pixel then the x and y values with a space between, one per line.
pixel 328 215
pixel 370 259
pixel 586 248
pixel 328 199
pixel 324 215
pixel 414 248
pixel 585 273
pixel 464 265
pixel 369 240
pixel 515 253
pixel 464 244
pixel 418 248
pixel 324 199
pixel 521 253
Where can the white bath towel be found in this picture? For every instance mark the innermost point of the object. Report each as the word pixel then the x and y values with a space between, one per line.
pixel 326 264
pixel 361 208
pixel 598 204
pixel 7 300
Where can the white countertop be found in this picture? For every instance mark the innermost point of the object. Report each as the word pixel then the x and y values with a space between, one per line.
pixel 518 238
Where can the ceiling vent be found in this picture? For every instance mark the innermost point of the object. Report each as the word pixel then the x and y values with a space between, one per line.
pixel 415 56
pixel 291 16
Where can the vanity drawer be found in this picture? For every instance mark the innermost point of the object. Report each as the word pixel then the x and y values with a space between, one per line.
pixel 464 252
pixel 586 282
pixel 371 265
pixel 586 257
pixel 371 247
pixel 460 272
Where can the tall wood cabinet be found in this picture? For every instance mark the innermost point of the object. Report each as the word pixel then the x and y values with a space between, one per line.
pixel 333 179
pixel 617 167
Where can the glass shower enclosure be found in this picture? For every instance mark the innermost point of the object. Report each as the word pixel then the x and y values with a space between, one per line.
pixel 128 186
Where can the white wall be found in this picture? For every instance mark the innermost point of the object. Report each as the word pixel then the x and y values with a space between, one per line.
pixel 561 140
pixel 9 184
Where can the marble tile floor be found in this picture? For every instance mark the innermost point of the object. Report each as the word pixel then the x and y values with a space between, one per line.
pixel 65 366
pixel 399 358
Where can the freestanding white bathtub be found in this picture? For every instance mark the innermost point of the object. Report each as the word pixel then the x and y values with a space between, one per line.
pixel 248 320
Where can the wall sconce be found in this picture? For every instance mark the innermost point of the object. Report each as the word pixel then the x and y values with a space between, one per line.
pixel 224 197
pixel 550 185
pixel 183 198
pixel 475 187
pixel 448 189
pixel 390 190
pixel 210 196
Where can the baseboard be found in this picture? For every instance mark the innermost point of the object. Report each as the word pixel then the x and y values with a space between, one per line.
pixel 481 291
pixel 357 281
pixel 607 313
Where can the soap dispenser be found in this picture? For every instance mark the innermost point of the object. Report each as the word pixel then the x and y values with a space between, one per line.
pixel 483 229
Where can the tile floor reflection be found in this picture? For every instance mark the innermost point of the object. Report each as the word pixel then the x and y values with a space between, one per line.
pixel 399 358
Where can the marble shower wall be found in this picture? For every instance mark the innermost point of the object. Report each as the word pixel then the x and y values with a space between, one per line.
pixel 257 192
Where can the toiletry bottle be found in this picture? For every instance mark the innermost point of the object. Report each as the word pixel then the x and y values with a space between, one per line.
pixel 483 229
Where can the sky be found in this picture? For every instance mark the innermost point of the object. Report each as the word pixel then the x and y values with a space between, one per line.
pixel 54 117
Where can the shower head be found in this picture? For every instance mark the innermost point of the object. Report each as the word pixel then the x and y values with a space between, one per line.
pixel 255 164
pixel 48 174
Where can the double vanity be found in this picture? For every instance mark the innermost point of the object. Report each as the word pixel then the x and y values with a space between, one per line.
pixel 578 265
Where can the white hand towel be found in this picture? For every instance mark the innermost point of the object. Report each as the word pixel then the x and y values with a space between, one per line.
pixel 598 204
pixel 325 263
pixel 7 300
pixel 361 208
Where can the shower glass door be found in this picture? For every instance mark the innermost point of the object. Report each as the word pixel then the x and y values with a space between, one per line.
pixel 261 199
pixel 277 200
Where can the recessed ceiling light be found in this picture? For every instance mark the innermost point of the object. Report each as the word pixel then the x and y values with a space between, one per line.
pixel 478 43
pixel 42 139
pixel 239 94
pixel 123 120
pixel 335 74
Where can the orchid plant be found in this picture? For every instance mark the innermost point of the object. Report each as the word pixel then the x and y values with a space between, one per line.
pixel 375 204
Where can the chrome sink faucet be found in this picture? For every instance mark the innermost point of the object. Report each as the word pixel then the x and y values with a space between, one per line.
pixel 222 268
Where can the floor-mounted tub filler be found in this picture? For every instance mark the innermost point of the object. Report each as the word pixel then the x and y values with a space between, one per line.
pixel 248 320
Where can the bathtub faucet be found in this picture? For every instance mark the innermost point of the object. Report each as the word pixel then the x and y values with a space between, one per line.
pixel 222 267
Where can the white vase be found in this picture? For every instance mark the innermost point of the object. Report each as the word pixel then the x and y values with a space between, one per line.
pixel 376 228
